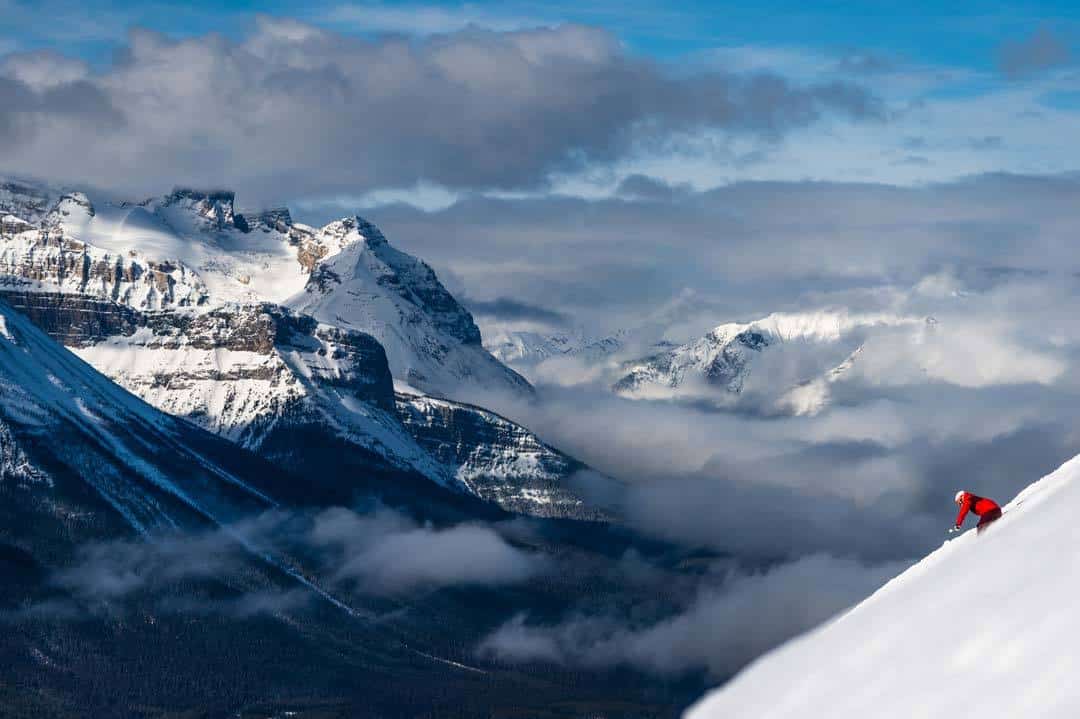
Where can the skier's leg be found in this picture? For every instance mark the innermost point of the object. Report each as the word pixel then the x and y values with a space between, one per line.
pixel 987 519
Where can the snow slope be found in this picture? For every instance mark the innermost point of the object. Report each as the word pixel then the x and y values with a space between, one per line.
pixel 985 626
pixel 140 462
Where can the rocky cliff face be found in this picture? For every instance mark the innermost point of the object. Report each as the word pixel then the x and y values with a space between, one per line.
pixel 73 320
pixel 495 458
pixel 47 259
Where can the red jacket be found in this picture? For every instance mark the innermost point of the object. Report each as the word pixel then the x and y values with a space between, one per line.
pixel 974 503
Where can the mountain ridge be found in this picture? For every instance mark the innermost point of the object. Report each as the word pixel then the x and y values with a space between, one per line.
pixel 200 338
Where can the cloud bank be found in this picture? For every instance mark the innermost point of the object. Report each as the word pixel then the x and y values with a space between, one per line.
pixel 720 631
pixel 293 110
pixel 379 553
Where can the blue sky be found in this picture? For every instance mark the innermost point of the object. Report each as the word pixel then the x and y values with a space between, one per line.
pixel 959 34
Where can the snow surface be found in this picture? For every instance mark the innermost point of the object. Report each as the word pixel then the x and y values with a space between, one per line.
pixel 985 626
pixel 235 266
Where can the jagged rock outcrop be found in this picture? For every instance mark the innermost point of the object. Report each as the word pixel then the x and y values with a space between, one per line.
pixel 495 458
pixel 71 319
pixel 40 259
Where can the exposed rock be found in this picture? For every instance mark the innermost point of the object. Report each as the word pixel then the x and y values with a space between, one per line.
pixel 48 259
pixel 497 459
pixel 74 320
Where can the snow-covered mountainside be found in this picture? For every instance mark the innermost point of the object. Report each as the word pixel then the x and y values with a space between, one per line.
pixel 197 335
pixel 244 372
pixel 495 458
pixel 785 357
pixel 985 625
pixel 267 378
pixel 86 454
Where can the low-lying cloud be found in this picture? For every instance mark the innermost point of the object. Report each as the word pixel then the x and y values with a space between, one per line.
pixel 379 553
pixel 386 553
pixel 720 630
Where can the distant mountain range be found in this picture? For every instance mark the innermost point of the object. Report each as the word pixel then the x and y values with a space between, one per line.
pixel 784 363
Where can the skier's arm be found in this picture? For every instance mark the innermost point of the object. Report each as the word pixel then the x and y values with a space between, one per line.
pixel 965 507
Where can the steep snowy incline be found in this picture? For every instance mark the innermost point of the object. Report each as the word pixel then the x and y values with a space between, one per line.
pixel 256 372
pixel 431 341
pixel 985 626
pixel 61 420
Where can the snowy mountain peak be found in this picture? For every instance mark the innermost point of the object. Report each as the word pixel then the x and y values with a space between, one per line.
pixel 372 235
pixel 69 204
pixel 431 340
pixel 215 207
pixel 193 248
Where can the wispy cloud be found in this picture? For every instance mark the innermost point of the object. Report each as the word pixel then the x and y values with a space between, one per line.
pixel 1043 50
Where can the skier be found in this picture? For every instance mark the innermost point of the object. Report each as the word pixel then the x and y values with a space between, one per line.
pixel 987 509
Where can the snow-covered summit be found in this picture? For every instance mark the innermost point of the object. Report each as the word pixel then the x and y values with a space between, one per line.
pixel 768 356
pixel 985 625
pixel 431 341
pixel 178 299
